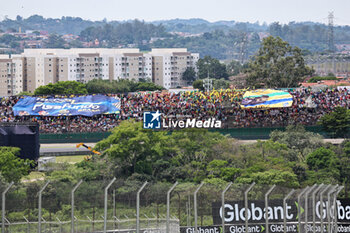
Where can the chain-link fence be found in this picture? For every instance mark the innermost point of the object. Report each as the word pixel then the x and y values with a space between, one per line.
pixel 132 206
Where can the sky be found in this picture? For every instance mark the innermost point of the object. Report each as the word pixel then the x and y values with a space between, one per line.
pixel 268 11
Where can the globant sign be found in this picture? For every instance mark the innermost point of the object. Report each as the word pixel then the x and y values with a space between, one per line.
pixel 234 215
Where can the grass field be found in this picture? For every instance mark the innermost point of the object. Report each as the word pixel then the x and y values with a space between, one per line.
pixel 70 159
pixel 35 175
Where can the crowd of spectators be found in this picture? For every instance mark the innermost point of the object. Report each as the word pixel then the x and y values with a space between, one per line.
pixel 308 106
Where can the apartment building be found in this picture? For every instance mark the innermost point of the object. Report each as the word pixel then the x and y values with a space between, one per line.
pixel 37 67
pixel 11 75
pixel 52 65
pixel 170 64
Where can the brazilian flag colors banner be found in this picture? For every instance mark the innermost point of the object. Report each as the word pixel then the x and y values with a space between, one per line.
pixel 82 105
pixel 266 98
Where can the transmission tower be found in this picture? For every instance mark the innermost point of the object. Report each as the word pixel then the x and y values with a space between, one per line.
pixel 244 48
pixel 208 84
pixel 331 32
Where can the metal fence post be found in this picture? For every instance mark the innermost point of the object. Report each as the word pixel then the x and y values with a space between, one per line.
pixel 332 190
pixel 9 224
pixel 223 206
pixel 117 219
pixel 335 209
pixel 267 208
pixel 285 210
pixel 105 207
pixel 114 207
pixel 138 207
pixel 39 207
pixel 299 207
pixel 246 206
pixel 321 206
pixel 72 205
pixel 92 225
pixel 314 206
pixel 195 207
pixel 28 224
pixel 4 207
pixel 168 207
pixel 306 202
pixel 60 223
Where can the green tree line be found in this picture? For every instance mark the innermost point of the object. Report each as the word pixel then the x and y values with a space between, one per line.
pixel 95 86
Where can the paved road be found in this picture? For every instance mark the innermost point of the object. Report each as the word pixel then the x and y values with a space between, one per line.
pixel 62 148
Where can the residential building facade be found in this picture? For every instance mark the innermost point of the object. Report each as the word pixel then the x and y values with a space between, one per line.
pixel 37 67
pixel 11 75
pixel 170 64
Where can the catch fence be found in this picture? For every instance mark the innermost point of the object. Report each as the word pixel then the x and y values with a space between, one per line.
pixel 131 206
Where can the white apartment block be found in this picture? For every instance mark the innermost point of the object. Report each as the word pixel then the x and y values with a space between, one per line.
pixel 37 67
pixel 11 75
pixel 170 64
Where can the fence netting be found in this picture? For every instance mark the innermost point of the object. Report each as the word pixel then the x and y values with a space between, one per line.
pixel 116 205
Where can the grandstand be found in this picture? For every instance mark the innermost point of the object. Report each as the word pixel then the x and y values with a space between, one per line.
pixel 307 107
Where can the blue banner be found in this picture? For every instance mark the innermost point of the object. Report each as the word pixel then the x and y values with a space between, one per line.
pixel 83 105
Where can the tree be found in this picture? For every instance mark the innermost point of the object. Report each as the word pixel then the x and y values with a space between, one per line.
pixel 324 165
pixel 76 44
pixel 213 66
pixel 189 75
pixel 345 164
pixel 62 88
pixel 198 84
pixel 24 93
pixel 235 67
pixel 322 158
pixel 275 29
pixel 221 84
pixel 277 64
pixel 146 86
pixel 136 150
pixel 13 168
pixel 300 141
pixel 14 44
pixel 7 39
pixel 120 86
pixel 337 123
pixel 283 178
pixel 55 41
pixel 19 18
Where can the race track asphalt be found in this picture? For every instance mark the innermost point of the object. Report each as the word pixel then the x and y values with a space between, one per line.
pixel 62 148
pixel 70 148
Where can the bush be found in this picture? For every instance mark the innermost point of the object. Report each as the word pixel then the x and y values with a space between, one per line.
pixel 316 79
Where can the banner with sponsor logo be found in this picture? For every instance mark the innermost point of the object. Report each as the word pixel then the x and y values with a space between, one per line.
pixel 266 98
pixel 82 105
pixel 261 228
pixel 234 216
